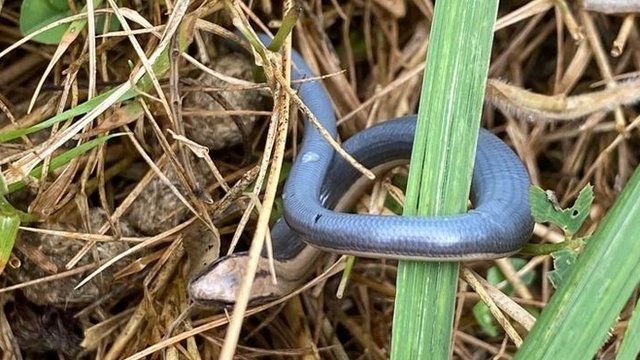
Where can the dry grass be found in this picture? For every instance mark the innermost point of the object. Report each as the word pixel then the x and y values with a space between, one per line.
pixel 563 86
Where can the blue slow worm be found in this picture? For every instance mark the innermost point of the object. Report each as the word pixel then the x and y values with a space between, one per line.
pixel 321 183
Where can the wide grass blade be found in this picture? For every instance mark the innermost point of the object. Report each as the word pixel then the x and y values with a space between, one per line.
pixel 441 168
pixel 577 320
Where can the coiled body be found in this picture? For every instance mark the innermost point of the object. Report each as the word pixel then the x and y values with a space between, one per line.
pixel 320 180
pixel 499 224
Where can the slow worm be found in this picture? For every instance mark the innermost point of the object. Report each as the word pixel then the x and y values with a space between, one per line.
pixel 322 184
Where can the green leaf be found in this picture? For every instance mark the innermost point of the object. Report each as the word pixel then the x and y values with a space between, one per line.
pixel 81 109
pixel 563 260
pixel 36 14
pixel 284 172
pixel 393 205
pixel 9 225
pixel 10 219
pixel 399 181
pixel 358 46
pixel 344 279
pixel 64 158
pixel 8 210
pixel 277 210
pixel 3 185
pixel 494 276
pixel 547 248
pixel 545 208
pixel 160 67
pixel 61 5
pixel 278 204
pixel 578 318
pixel 288 22
pixel 390 202
pixel 484 318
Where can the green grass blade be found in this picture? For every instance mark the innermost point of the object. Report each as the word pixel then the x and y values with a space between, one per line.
pixel 577 320
pixel 9 224
pixel 630 347
pixel 160 67
pixel 441 168
pixel 64 158
pixel 81 109
pixel 288 22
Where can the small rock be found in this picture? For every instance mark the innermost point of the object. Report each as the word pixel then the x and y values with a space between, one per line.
pixel 217 132
pixel 59 250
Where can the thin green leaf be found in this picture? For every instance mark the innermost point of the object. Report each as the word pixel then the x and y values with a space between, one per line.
pixel 277 210
pixel 358 46
pixel 391 204
pixel 10 219
pixel 249 34
pixel 545 209
pixel 545 249
pixel 288 22
pixel 3 185
pixel 278 204
pixel 60 5
pixel 7 209
pixel 81 109
pixel 284 172
pixel 9 225
pixel 64 158
pixel 344 279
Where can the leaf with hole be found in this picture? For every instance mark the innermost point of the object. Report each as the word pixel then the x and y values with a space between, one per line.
pixel 545 208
